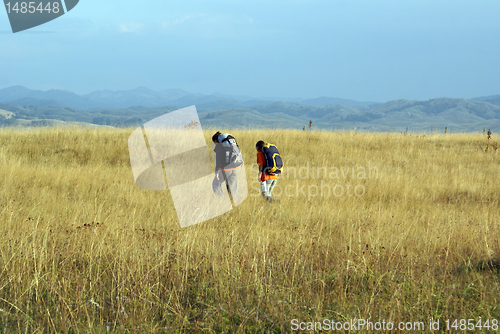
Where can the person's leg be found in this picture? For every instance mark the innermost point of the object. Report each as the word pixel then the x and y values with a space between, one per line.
pixel 232 184
pixel 263 188
pixel 271 186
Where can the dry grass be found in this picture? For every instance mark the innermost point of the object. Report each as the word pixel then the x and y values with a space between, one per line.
pixel 84 250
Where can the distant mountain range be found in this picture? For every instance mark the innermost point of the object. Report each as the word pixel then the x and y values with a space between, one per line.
pixel 142 96
pixel 20 106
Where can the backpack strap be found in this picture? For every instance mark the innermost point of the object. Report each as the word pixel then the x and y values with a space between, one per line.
pixel 227 138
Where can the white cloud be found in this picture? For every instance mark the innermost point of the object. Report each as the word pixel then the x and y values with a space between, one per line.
pixel 181 20
pixel 209 25
pixel 130 27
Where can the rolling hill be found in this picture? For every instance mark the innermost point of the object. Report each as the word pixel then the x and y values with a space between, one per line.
pixel 25 107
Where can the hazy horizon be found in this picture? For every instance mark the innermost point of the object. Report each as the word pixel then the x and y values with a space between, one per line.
pixel 244 97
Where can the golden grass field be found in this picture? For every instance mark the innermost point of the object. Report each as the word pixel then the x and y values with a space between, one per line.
pixel 84 250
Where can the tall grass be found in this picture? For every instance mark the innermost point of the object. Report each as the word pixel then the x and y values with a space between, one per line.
pixel 83 249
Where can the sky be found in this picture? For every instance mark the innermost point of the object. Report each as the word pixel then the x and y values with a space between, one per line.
pixel 365 50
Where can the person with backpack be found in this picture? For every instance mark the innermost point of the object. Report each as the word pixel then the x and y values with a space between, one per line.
pixel 227 158
pixel 270 166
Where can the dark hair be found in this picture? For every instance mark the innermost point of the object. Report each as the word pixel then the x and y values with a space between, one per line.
pixel 215 137
pixel 259 145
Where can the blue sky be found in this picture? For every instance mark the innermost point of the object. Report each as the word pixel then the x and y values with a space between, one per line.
pixel 363 50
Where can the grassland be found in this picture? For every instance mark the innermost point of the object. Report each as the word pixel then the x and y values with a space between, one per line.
pixel 83 249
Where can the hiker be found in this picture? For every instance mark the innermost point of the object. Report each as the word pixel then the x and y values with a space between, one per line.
pixel 227 158
pixel 270 165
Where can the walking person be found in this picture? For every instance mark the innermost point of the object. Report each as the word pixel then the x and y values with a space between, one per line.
pixel 270 165
pixel 227 158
